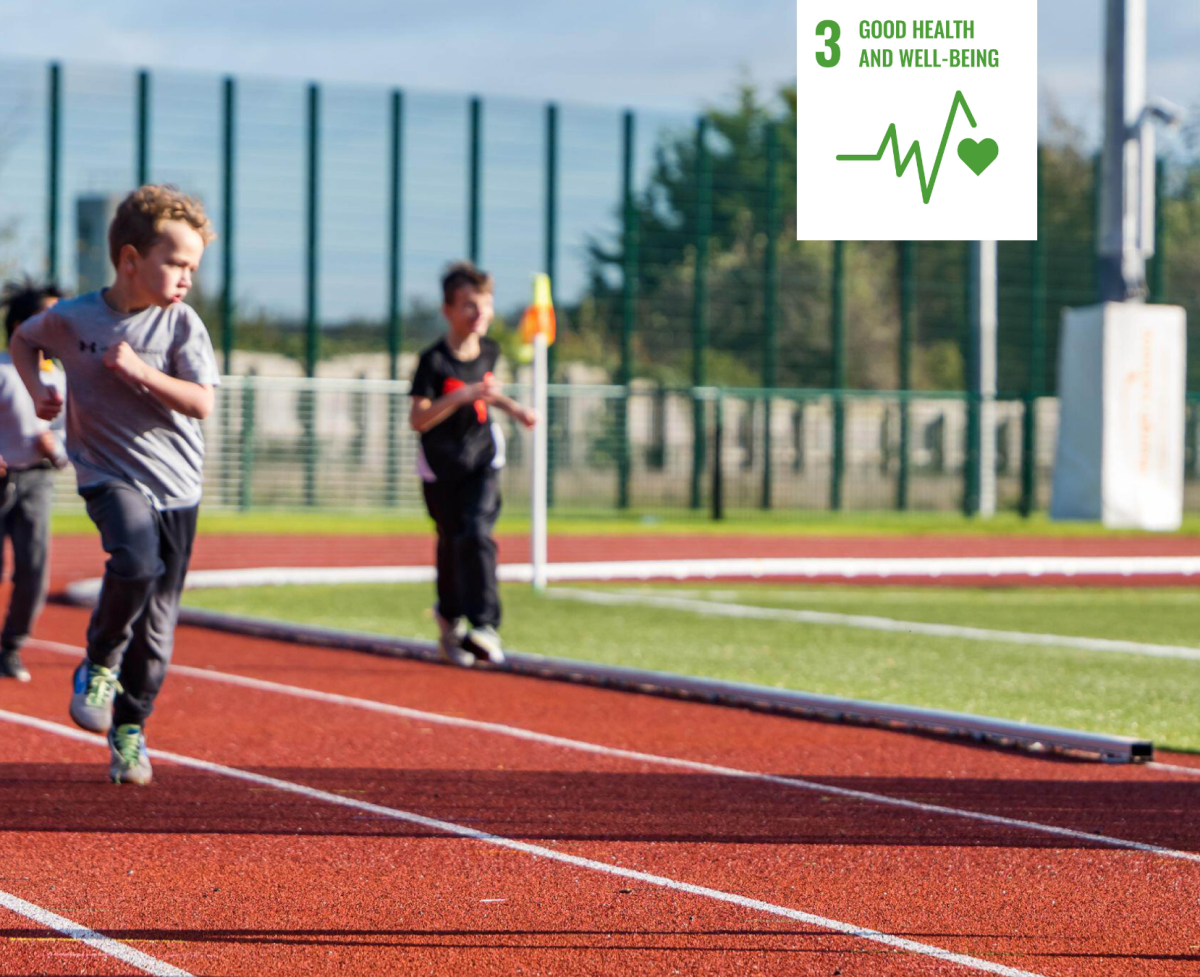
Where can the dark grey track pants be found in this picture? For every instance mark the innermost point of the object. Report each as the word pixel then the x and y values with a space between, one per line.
pixel 25 499
pixel 465 512
pixel 133 626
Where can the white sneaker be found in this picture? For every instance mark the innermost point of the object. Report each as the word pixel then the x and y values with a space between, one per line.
pixel 11 666
pixel 484 642
pixel 450 641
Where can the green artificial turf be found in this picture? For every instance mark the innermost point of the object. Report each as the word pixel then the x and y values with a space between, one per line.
pixel 1155 615
pixel 1108 692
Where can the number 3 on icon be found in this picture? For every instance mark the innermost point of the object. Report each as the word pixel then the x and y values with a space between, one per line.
pixel 835 52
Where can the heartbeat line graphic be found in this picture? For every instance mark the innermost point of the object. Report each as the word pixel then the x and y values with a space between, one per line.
pixel 915 150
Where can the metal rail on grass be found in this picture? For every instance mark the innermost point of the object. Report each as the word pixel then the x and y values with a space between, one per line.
pixel 985 729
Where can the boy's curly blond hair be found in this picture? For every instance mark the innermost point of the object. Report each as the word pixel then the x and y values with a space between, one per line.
pixel 143 213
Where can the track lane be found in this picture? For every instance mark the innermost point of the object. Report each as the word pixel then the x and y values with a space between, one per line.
pixel 827 787
pixel 717 735
pixel 30 950
pixel 1041 945
pixel 330 903
pixel 1135 807
pixel 715 843
pixel 32 937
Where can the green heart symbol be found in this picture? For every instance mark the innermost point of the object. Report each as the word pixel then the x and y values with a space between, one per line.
pixel 978 155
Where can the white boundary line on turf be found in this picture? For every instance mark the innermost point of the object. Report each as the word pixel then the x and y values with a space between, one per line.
pixel 97 941
pixel 872 623
pixel 551 854
pixel 847 567
pixel 517 732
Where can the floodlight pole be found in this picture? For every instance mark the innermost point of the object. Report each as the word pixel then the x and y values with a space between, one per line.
pixel 1124 244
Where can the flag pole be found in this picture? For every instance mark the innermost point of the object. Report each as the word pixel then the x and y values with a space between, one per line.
pixel 537 329
pixel 539 468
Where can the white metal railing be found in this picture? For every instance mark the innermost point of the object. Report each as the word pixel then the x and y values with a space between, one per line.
pixel 276 442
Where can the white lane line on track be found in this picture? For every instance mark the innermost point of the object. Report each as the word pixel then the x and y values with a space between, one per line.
pixel 872 623
pixel 517 732
pixel 847 567
pixel 98 941
pixel 1175 768
pixel 499 841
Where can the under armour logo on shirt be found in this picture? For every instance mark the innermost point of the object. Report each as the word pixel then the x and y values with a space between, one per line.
pixel 85 347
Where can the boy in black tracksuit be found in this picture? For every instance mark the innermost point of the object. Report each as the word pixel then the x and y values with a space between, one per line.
pixel 462 450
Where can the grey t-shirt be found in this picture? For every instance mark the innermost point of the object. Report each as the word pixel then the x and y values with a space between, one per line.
pixel 19 425
pixel 118 431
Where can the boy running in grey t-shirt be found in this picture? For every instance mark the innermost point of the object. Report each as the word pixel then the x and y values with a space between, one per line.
pixel 141 371
pixel 29 453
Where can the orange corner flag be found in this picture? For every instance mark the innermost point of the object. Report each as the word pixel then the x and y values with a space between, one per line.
pixel 539 317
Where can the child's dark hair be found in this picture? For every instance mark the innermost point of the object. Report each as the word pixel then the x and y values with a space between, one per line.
pixel 463 273
pixel 23 300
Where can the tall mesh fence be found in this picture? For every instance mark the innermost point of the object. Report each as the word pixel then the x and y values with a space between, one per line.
pixel 679 284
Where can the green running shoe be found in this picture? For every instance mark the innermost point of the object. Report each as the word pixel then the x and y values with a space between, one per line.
pixel 130 763
pixel 92 692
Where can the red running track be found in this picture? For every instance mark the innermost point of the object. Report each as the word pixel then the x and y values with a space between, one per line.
pixel 75 557
pixel 217 876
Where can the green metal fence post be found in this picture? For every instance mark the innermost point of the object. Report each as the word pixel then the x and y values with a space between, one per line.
pixel 229 135
pixel 628 306
pixel 307 405
pixel 474 178
pixel 700 307
pixel 245 482
pixel 550 260
pixel 908 314
pixel 551 266
pixel 1097 188
pixel 229 449
pixel 312 335
pixel 770 351
pixel 227 445
pixel 143 128
pixel 312 214
pixel 395 231
pixel 718 472
pixel 1158 264
pixel 395 282
pixel 838 329
pixel 391 486
pixel 1035 380
pixel 53 167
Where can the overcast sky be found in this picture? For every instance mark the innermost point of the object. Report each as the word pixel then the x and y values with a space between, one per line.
pixel 666 53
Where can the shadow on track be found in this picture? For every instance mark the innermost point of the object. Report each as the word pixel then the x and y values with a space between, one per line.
pixel 597 806
pixel 676 940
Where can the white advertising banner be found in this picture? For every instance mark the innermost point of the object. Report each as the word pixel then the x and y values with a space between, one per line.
pixel 1121 428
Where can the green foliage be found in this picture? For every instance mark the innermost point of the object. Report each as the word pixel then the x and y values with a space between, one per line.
pixel 1181 253
pixel 668 219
